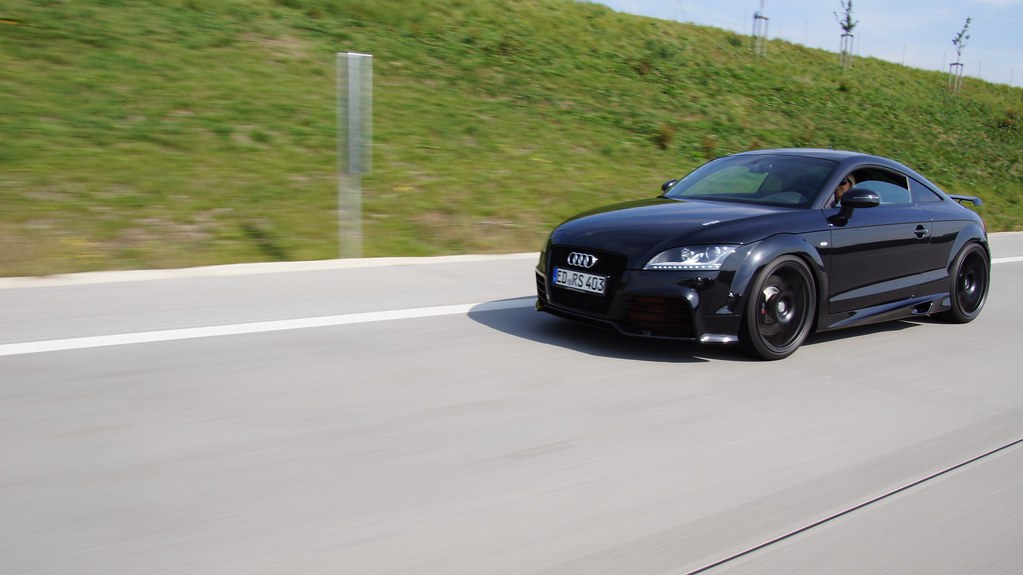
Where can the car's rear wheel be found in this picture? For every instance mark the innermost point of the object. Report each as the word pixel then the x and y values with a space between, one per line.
pixel 970 278
pixel 779 310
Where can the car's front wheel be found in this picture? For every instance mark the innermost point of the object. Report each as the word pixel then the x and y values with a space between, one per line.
pixel 779 310
pixel 970 280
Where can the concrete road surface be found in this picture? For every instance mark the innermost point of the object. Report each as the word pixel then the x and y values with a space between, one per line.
pixel 416 416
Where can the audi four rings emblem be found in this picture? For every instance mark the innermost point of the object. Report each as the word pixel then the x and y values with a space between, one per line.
pixel 582 260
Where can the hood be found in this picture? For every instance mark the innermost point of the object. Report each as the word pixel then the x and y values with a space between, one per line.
pixel 641 228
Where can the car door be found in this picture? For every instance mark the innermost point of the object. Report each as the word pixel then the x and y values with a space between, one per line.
pixel 879 255
pixel 943 232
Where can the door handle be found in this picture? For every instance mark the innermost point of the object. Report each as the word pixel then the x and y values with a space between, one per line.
pixel 922 231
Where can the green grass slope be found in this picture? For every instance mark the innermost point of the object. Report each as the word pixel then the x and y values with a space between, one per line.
pixel 167 133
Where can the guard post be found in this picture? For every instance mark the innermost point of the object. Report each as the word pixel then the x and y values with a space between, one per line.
pixel 354 145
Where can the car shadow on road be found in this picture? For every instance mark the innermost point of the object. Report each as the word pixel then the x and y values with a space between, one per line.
pixel 518 318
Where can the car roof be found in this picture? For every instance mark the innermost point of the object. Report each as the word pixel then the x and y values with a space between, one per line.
pixel 844 157
pixel 822 153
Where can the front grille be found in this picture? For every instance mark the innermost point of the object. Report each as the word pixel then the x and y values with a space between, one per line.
pixel 659 317
pixel 608 264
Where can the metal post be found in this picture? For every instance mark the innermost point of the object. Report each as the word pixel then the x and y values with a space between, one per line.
pixel 354 139
pixel 760 31
pixel 846 56
pixel 955 77
pixel 759 34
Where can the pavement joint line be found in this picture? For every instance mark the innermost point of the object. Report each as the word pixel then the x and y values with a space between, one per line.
pixel 856 507
pixel 89 342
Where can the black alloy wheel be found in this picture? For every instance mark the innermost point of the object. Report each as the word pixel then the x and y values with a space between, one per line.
pixel 780 309
pixel 970 277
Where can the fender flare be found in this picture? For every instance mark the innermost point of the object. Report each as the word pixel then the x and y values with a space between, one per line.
pixel 765 251
pixel 970 233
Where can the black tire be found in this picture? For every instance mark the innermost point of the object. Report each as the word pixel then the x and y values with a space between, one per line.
pixel 970 279
pixel 779 310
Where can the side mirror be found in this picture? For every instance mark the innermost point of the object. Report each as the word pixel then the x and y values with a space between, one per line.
pixel 666 185
pixel 858 198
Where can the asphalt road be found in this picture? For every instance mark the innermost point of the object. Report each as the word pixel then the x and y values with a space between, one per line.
pixel 416 416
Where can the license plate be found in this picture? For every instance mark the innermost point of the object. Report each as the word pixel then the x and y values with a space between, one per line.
pixel 579 281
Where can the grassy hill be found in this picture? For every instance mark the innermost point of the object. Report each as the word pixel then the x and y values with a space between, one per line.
pixel 167 133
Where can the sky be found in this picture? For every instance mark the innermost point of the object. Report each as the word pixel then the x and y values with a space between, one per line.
pixel 916 33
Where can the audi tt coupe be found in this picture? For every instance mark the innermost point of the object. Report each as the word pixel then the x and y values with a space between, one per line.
pixel 765 247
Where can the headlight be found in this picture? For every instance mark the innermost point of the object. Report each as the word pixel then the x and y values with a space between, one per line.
pixel 691 258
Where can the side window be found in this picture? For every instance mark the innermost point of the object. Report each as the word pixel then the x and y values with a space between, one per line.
pixel 893 188
pixel 921 193
pixel 890 193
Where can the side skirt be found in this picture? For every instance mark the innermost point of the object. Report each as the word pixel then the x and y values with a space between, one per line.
pixel 917 306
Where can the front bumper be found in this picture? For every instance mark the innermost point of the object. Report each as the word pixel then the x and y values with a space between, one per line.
pixel 684 305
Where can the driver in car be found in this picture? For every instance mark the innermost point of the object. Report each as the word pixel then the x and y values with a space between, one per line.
pixel 843 186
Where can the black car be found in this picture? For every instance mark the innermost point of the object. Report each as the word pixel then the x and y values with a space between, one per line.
pixel 756 249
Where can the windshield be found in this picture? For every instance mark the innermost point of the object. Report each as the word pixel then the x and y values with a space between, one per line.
pixel 778 180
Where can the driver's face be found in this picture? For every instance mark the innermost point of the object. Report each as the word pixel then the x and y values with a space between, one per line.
pixel 843 187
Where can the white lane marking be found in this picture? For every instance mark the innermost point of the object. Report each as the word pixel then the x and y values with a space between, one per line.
pixel 255 327
pixel 229 270
pixel 1007 260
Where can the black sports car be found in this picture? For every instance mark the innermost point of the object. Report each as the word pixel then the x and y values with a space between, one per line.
pixel 758 249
